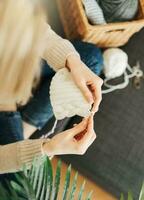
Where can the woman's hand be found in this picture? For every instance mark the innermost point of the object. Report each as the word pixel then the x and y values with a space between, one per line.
pixel 88 82
pixel 65 142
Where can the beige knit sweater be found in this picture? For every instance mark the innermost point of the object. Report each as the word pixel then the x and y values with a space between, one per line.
pixel 14 156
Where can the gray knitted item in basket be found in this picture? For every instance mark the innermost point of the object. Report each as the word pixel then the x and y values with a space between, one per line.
pixel 94 12
pixel 118 10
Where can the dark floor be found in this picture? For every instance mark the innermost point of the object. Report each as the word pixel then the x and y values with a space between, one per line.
pixel 116 159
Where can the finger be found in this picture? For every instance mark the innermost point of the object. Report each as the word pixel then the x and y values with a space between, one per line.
pixel 81 134
pixel 97 99
pixel 92 139
pixel 83 146
pixel 90 124
pixel 74 125
pixel 88 135
pixel 90 130
pixel 79 128
pixel 86 92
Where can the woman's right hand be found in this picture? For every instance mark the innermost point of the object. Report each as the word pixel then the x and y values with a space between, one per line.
pixel 65 142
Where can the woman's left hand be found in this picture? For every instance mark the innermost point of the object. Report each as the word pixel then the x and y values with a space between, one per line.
pixel 88 82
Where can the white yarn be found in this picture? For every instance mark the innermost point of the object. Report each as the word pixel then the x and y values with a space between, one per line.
pixel 115 65
pixel 51 131
pixel 115 62
pixel 66 98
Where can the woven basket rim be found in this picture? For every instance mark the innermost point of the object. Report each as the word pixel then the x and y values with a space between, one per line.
pixel 112 24
pixel 117 24
pixel 76 25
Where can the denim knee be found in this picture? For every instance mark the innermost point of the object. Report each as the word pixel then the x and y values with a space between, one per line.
pixel 38 111
pixel 90 55
pixel 11 127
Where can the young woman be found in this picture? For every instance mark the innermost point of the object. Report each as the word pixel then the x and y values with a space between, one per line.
pixel 25 39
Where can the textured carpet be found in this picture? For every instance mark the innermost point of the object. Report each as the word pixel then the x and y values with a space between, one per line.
pixel 116 159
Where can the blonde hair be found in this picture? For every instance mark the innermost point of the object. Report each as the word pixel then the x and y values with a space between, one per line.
pixel 21 45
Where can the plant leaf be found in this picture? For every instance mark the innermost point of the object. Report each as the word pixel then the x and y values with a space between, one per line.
pixel 141 197
pixel 36 173
pixel 32 170
pixel 49 179
pixel 67 183
pixel 25 170
pixel 19 189
pixel 45 181
pixel 13 193
pixel 43 192
pixel 37 183
pixel 3 193
pixel 26 186
pixel 122 197
pixel 40 181
pixel 73 189
pixel 57 181
pixel 89 196
pixel 130 196
pixel 81 191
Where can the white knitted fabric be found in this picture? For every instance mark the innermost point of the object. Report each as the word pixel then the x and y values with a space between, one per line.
pixel 66 98
pixel 94 12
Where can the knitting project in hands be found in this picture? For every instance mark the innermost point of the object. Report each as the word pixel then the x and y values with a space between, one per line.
pixel 66 98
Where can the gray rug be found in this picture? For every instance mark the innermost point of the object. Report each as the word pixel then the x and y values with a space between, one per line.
pixel 116 159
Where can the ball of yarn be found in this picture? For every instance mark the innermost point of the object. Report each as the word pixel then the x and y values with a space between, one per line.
pixel 115 62
pixel 119 10
pixel 94 12
pixel 66 98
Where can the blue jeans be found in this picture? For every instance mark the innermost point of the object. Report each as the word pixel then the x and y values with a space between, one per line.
pixel 38 110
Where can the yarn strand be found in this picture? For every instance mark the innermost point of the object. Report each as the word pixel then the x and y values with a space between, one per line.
pixel 133 72
pixel 52 131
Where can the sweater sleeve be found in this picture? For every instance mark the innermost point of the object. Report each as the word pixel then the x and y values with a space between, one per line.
pixel 57 49
pixel 14 156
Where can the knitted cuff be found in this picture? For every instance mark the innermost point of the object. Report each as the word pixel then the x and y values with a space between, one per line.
pixel 61 51
pixel 57 49
pixel 28 150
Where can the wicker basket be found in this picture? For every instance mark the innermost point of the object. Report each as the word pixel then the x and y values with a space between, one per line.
pixel 76 25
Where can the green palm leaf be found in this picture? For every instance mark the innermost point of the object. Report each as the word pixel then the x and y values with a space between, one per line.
pixel 89 196
pixel 19 189
pixel 122 197
pixel 81 191
pixel 40 182
pixel 49 182
pixel 130 197
pixel 32 171
pixel 34 182
pixel 26 186
pixel 67 183
pixel 37 183
pixel 141 197
pixel 57 182
pixel 4 195
pixel 73 189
